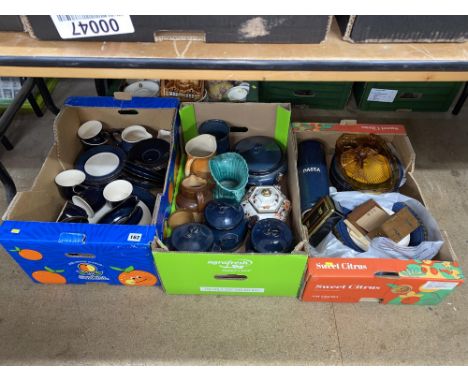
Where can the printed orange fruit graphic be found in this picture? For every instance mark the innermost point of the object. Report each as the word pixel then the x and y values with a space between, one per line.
pixel 87 268
pixel 28 254
pixel 49 276
pixel 132 277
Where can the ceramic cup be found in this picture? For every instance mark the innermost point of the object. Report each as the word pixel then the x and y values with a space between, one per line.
pixel 131 135
pixel 67 180
pixel 91 134
pixel 72 214
pixel 117 191
pixel 220 130
pixel 230 174
pixel 194 193
pixel 184 216
pixel 238 93
pixel 199 151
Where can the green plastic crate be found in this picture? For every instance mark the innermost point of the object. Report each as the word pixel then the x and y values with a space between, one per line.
pixel 400 96
pixel 27 108
pixel 317 95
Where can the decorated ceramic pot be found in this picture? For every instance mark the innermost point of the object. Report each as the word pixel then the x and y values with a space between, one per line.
pixel 262 202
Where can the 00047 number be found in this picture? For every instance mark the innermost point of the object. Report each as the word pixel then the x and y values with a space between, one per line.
pixel 97 27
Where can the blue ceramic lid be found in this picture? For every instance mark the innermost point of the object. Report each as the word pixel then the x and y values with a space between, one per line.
pixel 271 236
pixel 192 237
pixel 262 154
pixel 223 214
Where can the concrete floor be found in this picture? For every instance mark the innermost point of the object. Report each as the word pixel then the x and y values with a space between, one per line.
pixel 100 324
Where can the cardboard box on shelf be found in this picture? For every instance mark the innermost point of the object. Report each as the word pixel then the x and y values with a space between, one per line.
pixel 388 281
pixel 60 253
pixel 403 28
pixel 210 29
pixel 235 273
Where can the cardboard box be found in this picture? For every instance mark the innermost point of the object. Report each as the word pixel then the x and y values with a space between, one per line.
pixel 235 273
pixel 387 281
pixel 210 29
pixel 403 28
pixel 11 23
pixel 51 252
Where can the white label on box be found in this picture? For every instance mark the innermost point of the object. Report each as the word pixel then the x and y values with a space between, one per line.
pixel 439 285
pixel 83 26
pixel 382 95
pixel 134 237
pixel 242 290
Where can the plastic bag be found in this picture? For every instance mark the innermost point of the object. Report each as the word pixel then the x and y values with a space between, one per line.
pixel 381 247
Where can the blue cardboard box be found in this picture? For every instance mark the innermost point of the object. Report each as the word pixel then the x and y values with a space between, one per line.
pixel 60 253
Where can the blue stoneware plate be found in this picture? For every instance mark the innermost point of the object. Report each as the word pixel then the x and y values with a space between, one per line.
pixel 101 164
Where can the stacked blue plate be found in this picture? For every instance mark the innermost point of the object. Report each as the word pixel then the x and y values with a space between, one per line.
pixel 146 164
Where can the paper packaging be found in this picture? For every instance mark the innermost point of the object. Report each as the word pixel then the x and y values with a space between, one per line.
pixel 397 227
pixel 52 252
pixel 236 273
pixel 387 281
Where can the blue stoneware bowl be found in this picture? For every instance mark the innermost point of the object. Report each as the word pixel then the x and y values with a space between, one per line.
pixel 101 164
pixel 191 237
pixel 223 214
pixel 126 212
pixel 151 153
pixel 271 236
pixel 229 240
pixel 220 130
pixel 145 196
pixel 227 221
pixel 73 214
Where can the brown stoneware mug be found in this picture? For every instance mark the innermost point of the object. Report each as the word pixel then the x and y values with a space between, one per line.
pixel 194 193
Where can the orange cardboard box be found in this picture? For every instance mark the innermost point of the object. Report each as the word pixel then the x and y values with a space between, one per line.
pixel 387 281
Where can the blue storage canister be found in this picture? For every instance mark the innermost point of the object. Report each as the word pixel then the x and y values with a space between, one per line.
pixel 312 173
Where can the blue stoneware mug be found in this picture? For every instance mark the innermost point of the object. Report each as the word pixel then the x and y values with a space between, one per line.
pixel 230 174
pixel 67 180
pixel 220 130
pixel 312 173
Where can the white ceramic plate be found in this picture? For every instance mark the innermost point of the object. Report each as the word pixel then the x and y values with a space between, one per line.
pixel 143 89
pixel 102 164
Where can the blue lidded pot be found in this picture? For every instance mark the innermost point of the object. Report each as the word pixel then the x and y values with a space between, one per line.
pixel 312 173
pixel 228 224
pixel 271 236
pixel 265 159
pixel 191 237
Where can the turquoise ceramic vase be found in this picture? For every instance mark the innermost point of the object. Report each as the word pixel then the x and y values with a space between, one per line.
pixel 230 173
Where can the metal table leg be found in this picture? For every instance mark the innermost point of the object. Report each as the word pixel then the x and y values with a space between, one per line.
pixel 49 102
pixel 461 100
pixel 5 120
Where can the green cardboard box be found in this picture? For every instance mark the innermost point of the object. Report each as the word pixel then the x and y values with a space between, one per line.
pixel 235 273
